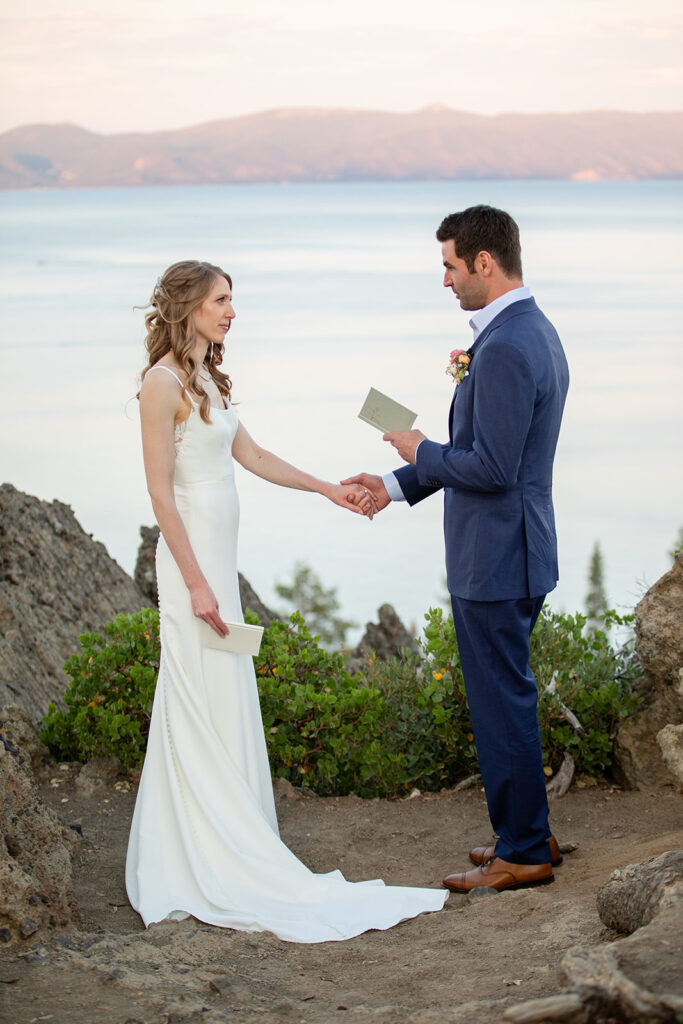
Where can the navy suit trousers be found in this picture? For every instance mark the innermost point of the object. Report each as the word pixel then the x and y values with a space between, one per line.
pixel 493 640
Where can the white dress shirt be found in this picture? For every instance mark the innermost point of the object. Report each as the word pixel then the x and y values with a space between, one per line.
pixel 479 322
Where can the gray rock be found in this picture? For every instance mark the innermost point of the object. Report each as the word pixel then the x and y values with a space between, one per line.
pixel 28 927
pixel 17 726
pixel 659 633
pixel 670 740
pixel 633 895
pixel 284 790
pixel 146 578
pixel 637 979
pixel 480 890
pixel 56 582
pixel 250 599
pixel 566 1008
pixel 638 760
pixel 36 889
pixel 145 574
pixel 98 774
pixel 387 638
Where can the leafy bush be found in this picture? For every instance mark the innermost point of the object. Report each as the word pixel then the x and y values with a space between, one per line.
pixel 109 701
pixel 397 724
pixel 319 722
pixel 574 669
pixel 425 738
pixel 588 676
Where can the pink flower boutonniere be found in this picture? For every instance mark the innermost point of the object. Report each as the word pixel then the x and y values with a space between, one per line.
pixel 458 368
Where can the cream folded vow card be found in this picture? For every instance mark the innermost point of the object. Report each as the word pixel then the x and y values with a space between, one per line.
pixel 386 414
pixel 242 639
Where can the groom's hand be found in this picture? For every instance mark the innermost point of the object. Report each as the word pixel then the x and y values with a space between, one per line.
pixel 405 442
pixel 374 485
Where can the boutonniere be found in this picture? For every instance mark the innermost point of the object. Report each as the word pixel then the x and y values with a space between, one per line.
pixel 458 368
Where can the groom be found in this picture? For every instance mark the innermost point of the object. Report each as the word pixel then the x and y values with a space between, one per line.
pixel 501 551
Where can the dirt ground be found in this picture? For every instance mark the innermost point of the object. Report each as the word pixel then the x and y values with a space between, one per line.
pixel 468 963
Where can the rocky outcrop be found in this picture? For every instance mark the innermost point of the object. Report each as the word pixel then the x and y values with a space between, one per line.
pixel 19 730
pixel 250 600
pixel 637 979
pixel 56 582
pixel 670 740
pixel 635 894
pixel 145 574
pixel 638 759
pixel 35 860
pixel 387 638
pixel 146 578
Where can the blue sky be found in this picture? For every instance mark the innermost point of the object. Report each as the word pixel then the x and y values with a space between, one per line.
pixel 156 64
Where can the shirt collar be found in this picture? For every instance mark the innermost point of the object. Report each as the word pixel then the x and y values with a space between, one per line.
pixel 483 317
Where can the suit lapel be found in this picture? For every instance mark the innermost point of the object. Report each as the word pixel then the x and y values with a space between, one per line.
pixel 514 309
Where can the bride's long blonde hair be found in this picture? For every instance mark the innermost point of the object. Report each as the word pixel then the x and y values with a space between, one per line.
pixel 177 293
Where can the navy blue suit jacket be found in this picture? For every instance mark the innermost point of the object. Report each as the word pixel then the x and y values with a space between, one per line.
pixel 497 467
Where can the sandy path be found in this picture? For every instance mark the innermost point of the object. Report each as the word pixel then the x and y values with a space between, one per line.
pixel 490 951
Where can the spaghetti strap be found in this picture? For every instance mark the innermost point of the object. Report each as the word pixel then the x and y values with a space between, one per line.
pixel 160 366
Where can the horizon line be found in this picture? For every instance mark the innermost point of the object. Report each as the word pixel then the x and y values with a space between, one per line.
pixel 429 108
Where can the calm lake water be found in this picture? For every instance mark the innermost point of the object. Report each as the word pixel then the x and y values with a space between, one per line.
pixel 337 287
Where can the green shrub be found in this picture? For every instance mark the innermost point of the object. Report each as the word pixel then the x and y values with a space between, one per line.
pixel 393 726
pixel 319 722
pixel 109 700
pixel 589 677
pixel 378 733
pixel 425 738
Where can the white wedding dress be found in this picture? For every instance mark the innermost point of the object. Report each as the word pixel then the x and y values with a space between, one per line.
pixel 204 838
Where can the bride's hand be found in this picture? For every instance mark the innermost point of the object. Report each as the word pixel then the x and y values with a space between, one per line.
pixel 205 606
pixel 354 498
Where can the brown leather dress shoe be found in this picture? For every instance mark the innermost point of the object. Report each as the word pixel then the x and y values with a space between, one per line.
pixel 482 853
pixel 499 874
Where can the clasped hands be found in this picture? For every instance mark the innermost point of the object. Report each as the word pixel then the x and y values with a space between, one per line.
pixel 366 492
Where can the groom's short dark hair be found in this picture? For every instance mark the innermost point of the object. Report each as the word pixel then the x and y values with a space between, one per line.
pixel 484 228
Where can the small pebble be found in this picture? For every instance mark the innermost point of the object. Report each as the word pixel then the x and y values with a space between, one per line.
pixel 481 890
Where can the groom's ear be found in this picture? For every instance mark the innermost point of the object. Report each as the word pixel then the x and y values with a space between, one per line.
pixel 484 263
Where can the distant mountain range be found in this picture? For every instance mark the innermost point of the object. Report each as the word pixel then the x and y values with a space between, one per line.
pixel 350 145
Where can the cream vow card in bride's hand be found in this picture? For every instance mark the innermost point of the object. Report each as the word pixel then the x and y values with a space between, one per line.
pixel 242 639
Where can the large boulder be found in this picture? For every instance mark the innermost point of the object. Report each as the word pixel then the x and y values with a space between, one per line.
pixel 386 638
pixel 36 889
pixel 634 895
pixel 638 760
pixel 56 582
pixel 145 565
pixel 670 740
pixel 20 731
pixel 250 599
pixel 637 979
pixel 146 578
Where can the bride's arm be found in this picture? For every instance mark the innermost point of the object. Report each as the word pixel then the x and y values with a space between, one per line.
pixel 160 402
pixel 271 467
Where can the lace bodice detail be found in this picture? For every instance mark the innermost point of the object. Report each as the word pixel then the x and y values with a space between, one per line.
pixel 178 434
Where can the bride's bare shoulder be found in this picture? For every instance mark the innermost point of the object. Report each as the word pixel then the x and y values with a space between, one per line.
pixel 162 389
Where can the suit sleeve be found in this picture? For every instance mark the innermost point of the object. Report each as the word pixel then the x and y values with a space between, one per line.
pixel 505 393
pixel 413 490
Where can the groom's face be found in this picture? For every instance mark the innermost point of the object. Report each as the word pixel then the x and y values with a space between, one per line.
pixel 469 288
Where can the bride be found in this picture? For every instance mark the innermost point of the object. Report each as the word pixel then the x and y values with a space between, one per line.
pixel 204 838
